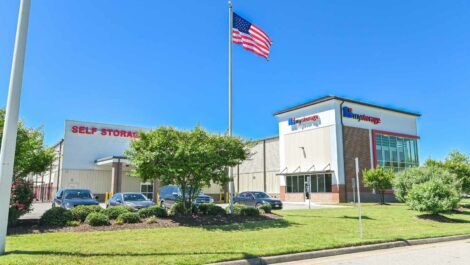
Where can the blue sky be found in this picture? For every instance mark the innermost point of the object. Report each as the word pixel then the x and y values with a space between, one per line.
pixel 151 63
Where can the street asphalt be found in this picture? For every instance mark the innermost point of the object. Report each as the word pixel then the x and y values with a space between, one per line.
pixel 453 252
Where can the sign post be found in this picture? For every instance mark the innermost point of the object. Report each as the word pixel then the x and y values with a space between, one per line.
pixel 10 129
pixel 356 160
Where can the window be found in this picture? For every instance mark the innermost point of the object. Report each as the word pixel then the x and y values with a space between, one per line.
pixel 396 152
pixel 147 190
pixel 319 183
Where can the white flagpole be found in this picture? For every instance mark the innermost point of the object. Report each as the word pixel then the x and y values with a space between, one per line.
pixel 230 25
pixel 356 161
pixel 7 153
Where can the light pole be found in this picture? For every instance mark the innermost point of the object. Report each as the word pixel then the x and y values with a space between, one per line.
pixel 7 153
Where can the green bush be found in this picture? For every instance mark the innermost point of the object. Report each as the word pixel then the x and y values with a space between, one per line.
pixel 379 179
pixel 130 209
pixel 151 220
pixel 128 218
pixel 155 211
pixel 249 211
pixel 236 209
pixel 266 207
pixel 81 212
pixel 179 209
pixel 97 219
pixel 114 212
pixel 407 179
pixel 73 223
pixel 434 196
pixel 55 216
pixel 210 209
pixel 21 198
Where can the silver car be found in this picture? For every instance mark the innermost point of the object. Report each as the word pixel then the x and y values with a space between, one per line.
pixel 136 200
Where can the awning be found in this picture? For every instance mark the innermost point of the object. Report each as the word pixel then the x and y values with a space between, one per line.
pixel 306 173
pixel 109 160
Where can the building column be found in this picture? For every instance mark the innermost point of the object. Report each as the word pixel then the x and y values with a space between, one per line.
pixel 116 177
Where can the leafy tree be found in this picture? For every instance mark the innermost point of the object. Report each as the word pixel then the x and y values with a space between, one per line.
pixel 457 163
pixel 31 157
pixel 190 159
pixel 379 179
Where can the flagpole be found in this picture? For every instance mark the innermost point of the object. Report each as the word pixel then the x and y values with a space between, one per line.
pixel 10 129
pixel 230 25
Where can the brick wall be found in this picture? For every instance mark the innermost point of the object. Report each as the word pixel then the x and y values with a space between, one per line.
pixel 356 144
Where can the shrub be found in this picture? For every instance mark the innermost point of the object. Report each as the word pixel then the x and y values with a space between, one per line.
pixel 97 219
pixel 155 211
pixel 73 223
pixel 130 209
pixel 266 207
pixel 434 196
pixel 379 179
pixel 407 179
pixel 81 212
pixel 151 220
pixel 129 218
pixel 21 198
pixel 114 212
pixel 56 216
pixel 236 209
pixel 249 211
pixel 179 209
pixel 210 209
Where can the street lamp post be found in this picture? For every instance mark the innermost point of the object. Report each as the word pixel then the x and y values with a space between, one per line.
pixel 7 153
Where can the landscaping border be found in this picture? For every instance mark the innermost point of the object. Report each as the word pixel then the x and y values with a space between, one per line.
pixel 341 251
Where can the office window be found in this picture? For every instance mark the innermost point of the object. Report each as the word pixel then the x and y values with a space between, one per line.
pixel 395 152
pixel 319 183
pixel 147 190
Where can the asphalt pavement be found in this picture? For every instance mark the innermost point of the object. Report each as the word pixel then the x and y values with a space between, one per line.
pixel 453 252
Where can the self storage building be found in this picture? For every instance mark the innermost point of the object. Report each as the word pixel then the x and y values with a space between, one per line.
pixel 317 144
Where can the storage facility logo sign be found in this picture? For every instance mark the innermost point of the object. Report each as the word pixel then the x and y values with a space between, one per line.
pixel 104 131
pixel 348 113
pixel 304 122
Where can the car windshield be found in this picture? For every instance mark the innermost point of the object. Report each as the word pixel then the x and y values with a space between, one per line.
pixel 134 197
pixel 261 195
pixel 77 194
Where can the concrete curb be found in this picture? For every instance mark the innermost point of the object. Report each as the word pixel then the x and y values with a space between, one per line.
pixel 340 251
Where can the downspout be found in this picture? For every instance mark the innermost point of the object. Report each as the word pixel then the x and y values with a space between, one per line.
pixel 344 159
pixel 58 166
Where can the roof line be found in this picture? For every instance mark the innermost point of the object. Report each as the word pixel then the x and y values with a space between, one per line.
pixel 328 98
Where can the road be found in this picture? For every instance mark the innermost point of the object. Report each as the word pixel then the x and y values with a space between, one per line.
pixel 454 252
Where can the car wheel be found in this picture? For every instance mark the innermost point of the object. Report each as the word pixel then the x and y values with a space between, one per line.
pixel 258 205
pixel 162 205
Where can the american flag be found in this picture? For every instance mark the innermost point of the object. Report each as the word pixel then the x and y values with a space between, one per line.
pixel 250 36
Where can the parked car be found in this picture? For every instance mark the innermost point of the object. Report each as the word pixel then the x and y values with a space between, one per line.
pixel 69 197
pixel 256 199
pixel 172 193
pixel 135 200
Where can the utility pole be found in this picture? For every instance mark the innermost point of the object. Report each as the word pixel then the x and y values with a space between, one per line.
pixel 10 129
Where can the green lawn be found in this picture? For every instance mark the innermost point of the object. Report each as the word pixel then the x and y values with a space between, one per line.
pixel 300 230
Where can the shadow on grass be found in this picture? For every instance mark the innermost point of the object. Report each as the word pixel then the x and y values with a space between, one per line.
pixel 254 225
pixel 364 217
pixel 442 219
pixel 120 254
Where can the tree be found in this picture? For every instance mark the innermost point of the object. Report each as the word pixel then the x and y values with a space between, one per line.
pixel 190 159
pixel 31 157
pixel 379 179
pixel 457 163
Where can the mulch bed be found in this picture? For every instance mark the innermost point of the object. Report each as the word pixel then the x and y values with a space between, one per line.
pixel 31 226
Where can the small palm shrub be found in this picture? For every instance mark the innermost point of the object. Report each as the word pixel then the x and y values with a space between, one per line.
pixel 55 216
pixel 155 211
pixel 211 209
pixel 97 219
pixel 128 218
pixel 114 212
pixel 178 209
pixel 81 212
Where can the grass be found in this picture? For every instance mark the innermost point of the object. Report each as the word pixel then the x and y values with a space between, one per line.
pixel 300 230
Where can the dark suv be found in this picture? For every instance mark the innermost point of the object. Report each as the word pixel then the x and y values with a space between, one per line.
pixel 69 198
pixel 256 199
pixel 172 193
